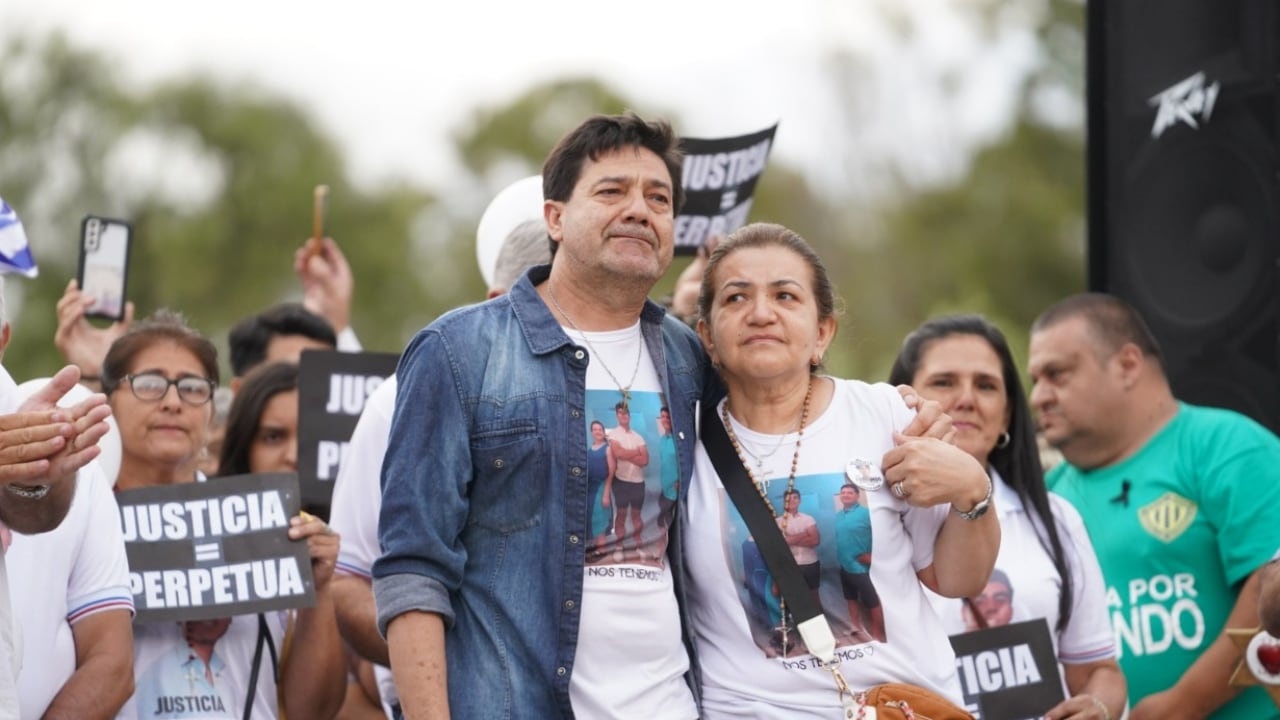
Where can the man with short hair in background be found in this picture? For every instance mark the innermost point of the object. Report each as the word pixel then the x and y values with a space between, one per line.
pixel 1179 501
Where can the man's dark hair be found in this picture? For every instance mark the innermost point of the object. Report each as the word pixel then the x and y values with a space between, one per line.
pixel 251 336
pixel 1112 322
pixel 602 134
pixel 998 576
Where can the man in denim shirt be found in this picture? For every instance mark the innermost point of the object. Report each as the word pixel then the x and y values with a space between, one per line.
pixel 483 593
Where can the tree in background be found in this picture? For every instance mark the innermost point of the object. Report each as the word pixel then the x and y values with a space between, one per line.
pixel 1006 238
pixel 217 180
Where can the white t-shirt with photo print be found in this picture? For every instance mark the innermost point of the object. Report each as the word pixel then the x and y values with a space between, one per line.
pixel 630 660
pixel 749 668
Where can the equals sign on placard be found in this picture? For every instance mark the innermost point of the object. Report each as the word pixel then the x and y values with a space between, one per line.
pixel 208 552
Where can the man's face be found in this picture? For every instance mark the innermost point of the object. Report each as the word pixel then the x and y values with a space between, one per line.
pixel 624 417
pixel 288 348
pixel 619 219
pixel 205 632
pixel 664 422
pixel 791 502
pixel 996 604
pixel 1073 393
pixel 848 497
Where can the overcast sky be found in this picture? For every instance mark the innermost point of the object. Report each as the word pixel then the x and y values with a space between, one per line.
pixel 391 80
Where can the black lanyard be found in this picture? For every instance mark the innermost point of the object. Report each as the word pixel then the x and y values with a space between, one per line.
pixel 264 639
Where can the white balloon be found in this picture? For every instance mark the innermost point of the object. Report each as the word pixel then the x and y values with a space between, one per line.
pixel 109 458
pixel 516 203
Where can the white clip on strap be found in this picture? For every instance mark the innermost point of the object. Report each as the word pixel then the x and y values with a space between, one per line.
pixel 820 641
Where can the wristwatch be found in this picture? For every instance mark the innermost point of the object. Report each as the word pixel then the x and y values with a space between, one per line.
pixel 978 510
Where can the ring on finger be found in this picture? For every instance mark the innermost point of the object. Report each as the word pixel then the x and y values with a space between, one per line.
pixel 897 489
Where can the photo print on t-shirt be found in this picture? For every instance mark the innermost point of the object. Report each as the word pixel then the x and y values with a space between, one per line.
pixel 189 682
pixel 828 528
pixel 632 478
pixel 993 607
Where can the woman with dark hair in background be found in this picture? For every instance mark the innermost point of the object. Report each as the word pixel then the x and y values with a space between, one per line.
pixel 1046 559
pixel 261 437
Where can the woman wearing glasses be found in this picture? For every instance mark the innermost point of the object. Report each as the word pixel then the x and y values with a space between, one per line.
pixel 159 378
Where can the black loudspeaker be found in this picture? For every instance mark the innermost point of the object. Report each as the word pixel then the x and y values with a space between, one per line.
pixel 1184 187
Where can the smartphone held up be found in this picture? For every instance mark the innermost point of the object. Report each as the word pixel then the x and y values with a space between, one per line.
pixel 104 264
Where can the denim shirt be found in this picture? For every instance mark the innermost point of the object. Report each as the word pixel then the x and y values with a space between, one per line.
pixel 485 516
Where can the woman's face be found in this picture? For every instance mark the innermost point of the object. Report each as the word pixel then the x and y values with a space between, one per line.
pixel 275 445
pixel 764 321
pixel 962 373
pixel 597 432
pixel 168 431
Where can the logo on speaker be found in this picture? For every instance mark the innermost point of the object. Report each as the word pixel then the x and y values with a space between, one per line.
pixel 1168 517
pixel 1183 102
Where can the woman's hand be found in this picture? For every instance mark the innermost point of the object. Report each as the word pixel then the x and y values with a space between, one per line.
pixel 322 545
pixel 82 344
pixel 926 471
pixel 930 420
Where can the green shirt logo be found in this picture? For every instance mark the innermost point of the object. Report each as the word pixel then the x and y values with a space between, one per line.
pixel 1167 517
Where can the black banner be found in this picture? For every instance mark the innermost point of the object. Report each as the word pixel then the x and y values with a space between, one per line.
pixel 332 389
pixel 1008 672
pixel 205 550
pixel 719 181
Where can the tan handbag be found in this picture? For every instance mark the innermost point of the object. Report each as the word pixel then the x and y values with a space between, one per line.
pixel 899 701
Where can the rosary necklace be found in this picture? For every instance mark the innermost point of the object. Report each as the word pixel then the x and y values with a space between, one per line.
pixel 762 486
pixel 762 483
pixel 624 389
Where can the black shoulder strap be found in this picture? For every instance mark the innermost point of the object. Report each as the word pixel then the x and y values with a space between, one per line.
pixel 760 521
pixel 264 638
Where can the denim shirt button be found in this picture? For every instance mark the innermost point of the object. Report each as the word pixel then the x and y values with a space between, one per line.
pixel 579 355
pixel 561 671
pixel 568 604
pixel 576 471
pixel 573 540
pixel 499 463
pixel 574 413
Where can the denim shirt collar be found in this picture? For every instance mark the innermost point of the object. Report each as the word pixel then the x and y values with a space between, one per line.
pixel 539 326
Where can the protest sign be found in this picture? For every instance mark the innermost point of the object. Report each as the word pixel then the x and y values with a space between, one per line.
pixel 332 389
pixel 214 549
pixel 1008 672
pixel 719 180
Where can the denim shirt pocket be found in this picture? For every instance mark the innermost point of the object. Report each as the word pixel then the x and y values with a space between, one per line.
pixel 508 489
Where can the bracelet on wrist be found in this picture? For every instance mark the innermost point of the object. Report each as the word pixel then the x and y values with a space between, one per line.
pixel 1102 707
pixel 979 509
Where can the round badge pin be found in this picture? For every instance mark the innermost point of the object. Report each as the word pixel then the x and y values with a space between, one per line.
pixel 863 474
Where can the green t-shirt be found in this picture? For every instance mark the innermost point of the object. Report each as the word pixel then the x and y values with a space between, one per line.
pixel 853 538
pixel 1177 528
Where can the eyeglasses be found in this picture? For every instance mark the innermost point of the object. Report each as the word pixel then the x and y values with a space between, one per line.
pixel 1000 598
pixel 151 386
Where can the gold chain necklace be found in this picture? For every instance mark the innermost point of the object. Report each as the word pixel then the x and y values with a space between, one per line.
pixel 596 354
pixel 762 485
